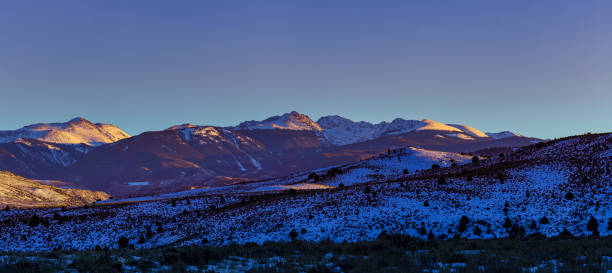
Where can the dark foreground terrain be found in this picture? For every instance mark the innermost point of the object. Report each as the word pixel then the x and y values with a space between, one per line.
pixel 389 253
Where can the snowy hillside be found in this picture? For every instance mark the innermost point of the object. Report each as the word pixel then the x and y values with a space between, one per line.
pixel 532 191
pixel 187 156
pixel 16 191
pixel 469 130
pixel 375 169
pixel 75 131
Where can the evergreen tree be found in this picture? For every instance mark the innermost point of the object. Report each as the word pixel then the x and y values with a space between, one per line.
pixel 507 223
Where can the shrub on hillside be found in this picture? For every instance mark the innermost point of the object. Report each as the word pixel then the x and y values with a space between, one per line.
pixel 441 180
pixel 123 242
pixel 463 222
pixel 592 225
pixel 313 176
pixel 477 231
pixel 422 230
pixel 533 224
pixel 544 220
pixel 293 234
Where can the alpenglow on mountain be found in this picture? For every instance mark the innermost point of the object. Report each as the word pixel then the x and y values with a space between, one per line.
pixel 186 156
pixel 342 131
pixel 75 131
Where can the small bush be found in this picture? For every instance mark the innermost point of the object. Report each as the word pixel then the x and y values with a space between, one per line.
pixel 293 234
pixel 592 225
pixel 422 230
pixel 569 196
pixel 313 176
pixel 435 166
pixel 544 221
pixel 123 242
pixel 441 180
pixel 463 222
pixel 477 231
pixel 533 224
pixel 475 159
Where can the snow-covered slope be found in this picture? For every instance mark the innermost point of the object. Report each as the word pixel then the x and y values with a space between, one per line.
pixel 390 165
pixel 504 134
pixel 288 121
pixel 523 193
pixel 75 131
pixel 16 191
pixel 469 130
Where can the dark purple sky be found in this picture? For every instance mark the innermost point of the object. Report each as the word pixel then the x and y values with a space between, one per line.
pixel 540 68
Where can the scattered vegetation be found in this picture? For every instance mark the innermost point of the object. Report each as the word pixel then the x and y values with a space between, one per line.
pixel 389 253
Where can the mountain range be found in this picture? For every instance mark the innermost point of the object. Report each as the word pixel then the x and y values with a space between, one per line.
pixel 555 188
pixel 103 157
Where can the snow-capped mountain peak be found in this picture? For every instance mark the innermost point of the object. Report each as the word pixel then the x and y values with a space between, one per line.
pixel 288 121
pixel 503 134
pixel 339 130
pixel 342 131
pixel 433 125
pixel 469 130
pixel 76 131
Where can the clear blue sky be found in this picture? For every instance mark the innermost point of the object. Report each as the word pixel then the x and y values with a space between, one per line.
pixel 541 68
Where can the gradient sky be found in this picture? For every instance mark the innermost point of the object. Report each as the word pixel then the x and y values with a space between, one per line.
pixel 540 68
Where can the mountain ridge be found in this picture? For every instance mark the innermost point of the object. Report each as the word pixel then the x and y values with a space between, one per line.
pixel 76 131
pixel 187 155
pixel 342 131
